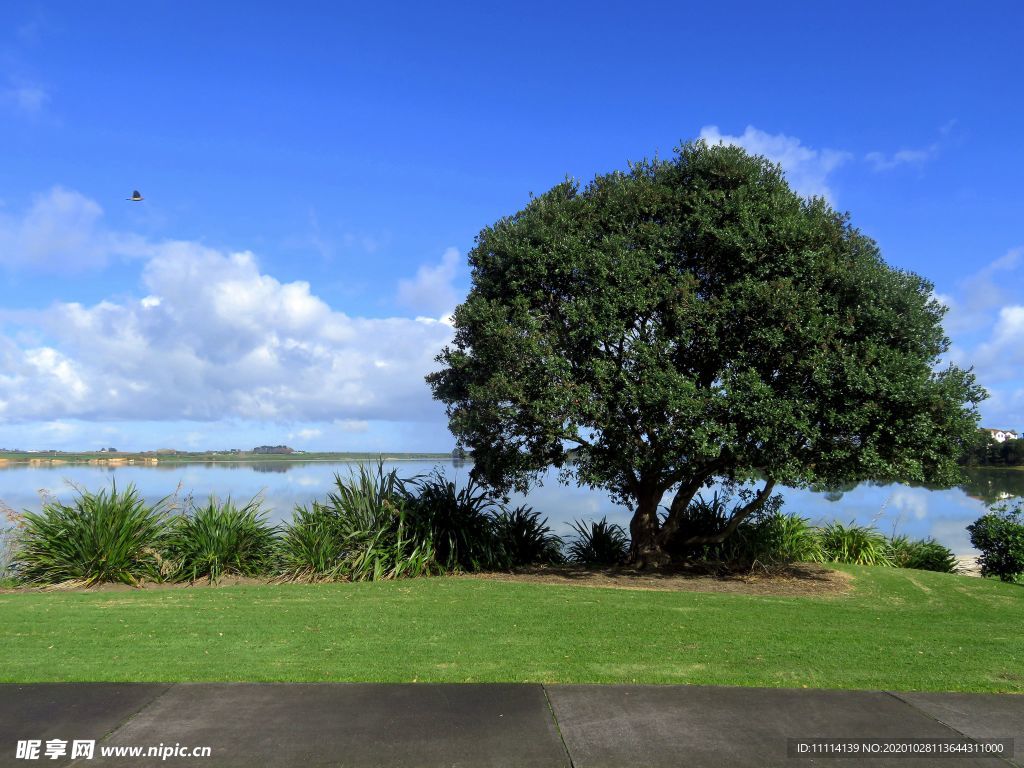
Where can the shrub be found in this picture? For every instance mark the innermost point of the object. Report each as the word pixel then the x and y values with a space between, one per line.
pixel 362 532
pixel 98 537
pixel 312 546
pixel 222 538
pixel 858 544
pixel 602 543
pixel 772 538
pixel 999 535
pixel 768 537
pixel 459 523
pixel 923 554
pixel 525 539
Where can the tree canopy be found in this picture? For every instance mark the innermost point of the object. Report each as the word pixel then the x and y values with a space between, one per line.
pixel 692 319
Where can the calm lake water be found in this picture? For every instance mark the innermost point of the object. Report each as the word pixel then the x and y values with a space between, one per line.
pixel 915 511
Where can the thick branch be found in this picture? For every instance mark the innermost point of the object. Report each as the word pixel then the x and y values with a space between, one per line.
pixel 738 517
pixel 685 495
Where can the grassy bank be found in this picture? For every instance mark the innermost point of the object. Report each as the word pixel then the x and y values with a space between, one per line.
pixel 896 629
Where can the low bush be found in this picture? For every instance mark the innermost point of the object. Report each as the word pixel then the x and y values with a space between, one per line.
pixel 458 522
pixel 772 538
pixel 999 535
pixel 704 517
pixel 312 546
pixel 362 532
pixel 525 539
pixel 768 537
pixel 600 543
pixel 220 538
pixel 922 554
pixel 98 537
pixel 856 544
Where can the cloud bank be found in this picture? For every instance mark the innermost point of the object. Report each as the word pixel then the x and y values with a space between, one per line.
pixel 807 169
pixel 209 336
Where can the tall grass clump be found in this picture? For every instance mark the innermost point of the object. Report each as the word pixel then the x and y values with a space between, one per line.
pixel 362 532
pixel 99 537
pixel 312 545
pixel 221 538
pixel 460 523
pixel 525 538
pixel 922 554
pixel 857 544
pixel 770 539
pixel 600 543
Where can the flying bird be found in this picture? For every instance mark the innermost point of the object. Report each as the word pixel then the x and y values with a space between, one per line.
pixel 136 197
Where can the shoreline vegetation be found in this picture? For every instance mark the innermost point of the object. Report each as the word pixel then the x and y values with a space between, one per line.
pixel 378 525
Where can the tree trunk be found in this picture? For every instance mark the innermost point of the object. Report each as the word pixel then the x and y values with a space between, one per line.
pixel 646 550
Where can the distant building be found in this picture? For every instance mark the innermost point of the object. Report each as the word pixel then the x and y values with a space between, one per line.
pixel 272 449
pixel 1002 435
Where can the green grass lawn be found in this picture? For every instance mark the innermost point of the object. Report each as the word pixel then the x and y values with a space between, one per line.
pixel 897 629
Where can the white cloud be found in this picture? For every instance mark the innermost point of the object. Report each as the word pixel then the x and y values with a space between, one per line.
pixel 60 429
pixel 61 232
pixel 352 425
pixel 986 322
pixel 911 500
pixel 211 338
pixel 982 293
pixel 1001 355
pixel 432 289
pixel 807 169
pixel 27 99
pixel 881 162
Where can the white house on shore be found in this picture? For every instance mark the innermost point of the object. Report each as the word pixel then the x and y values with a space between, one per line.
pixel 1002 435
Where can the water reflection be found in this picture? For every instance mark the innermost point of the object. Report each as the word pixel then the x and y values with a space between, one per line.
pixel 913 510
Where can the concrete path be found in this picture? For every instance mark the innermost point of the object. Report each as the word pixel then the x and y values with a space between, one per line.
pixel 424 725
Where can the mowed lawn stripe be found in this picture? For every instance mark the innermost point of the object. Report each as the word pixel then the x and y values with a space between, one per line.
pixel 895 629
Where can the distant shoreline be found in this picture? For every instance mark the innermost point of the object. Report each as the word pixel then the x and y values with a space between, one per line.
pixel 151 459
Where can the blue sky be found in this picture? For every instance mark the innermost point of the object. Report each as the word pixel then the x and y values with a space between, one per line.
pixel 315 173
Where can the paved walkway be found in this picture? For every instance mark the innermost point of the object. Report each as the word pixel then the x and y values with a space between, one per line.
pixel 530 726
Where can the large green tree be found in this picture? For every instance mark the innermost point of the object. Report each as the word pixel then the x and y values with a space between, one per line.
pixel 694 319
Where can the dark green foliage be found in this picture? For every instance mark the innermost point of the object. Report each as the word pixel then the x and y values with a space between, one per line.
pixel 999 535
pixel 602 543
pixel 459 522
pixel 312 547
pixel 221 538
pixel 98 537
pixel 923 554
pixel 855 544
pixel 692 319
pixel 360 533
pixel 772 538
pixel 703 517
pixel 767 537
pixel 985 450
pixel 376 525
pixel 525 538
